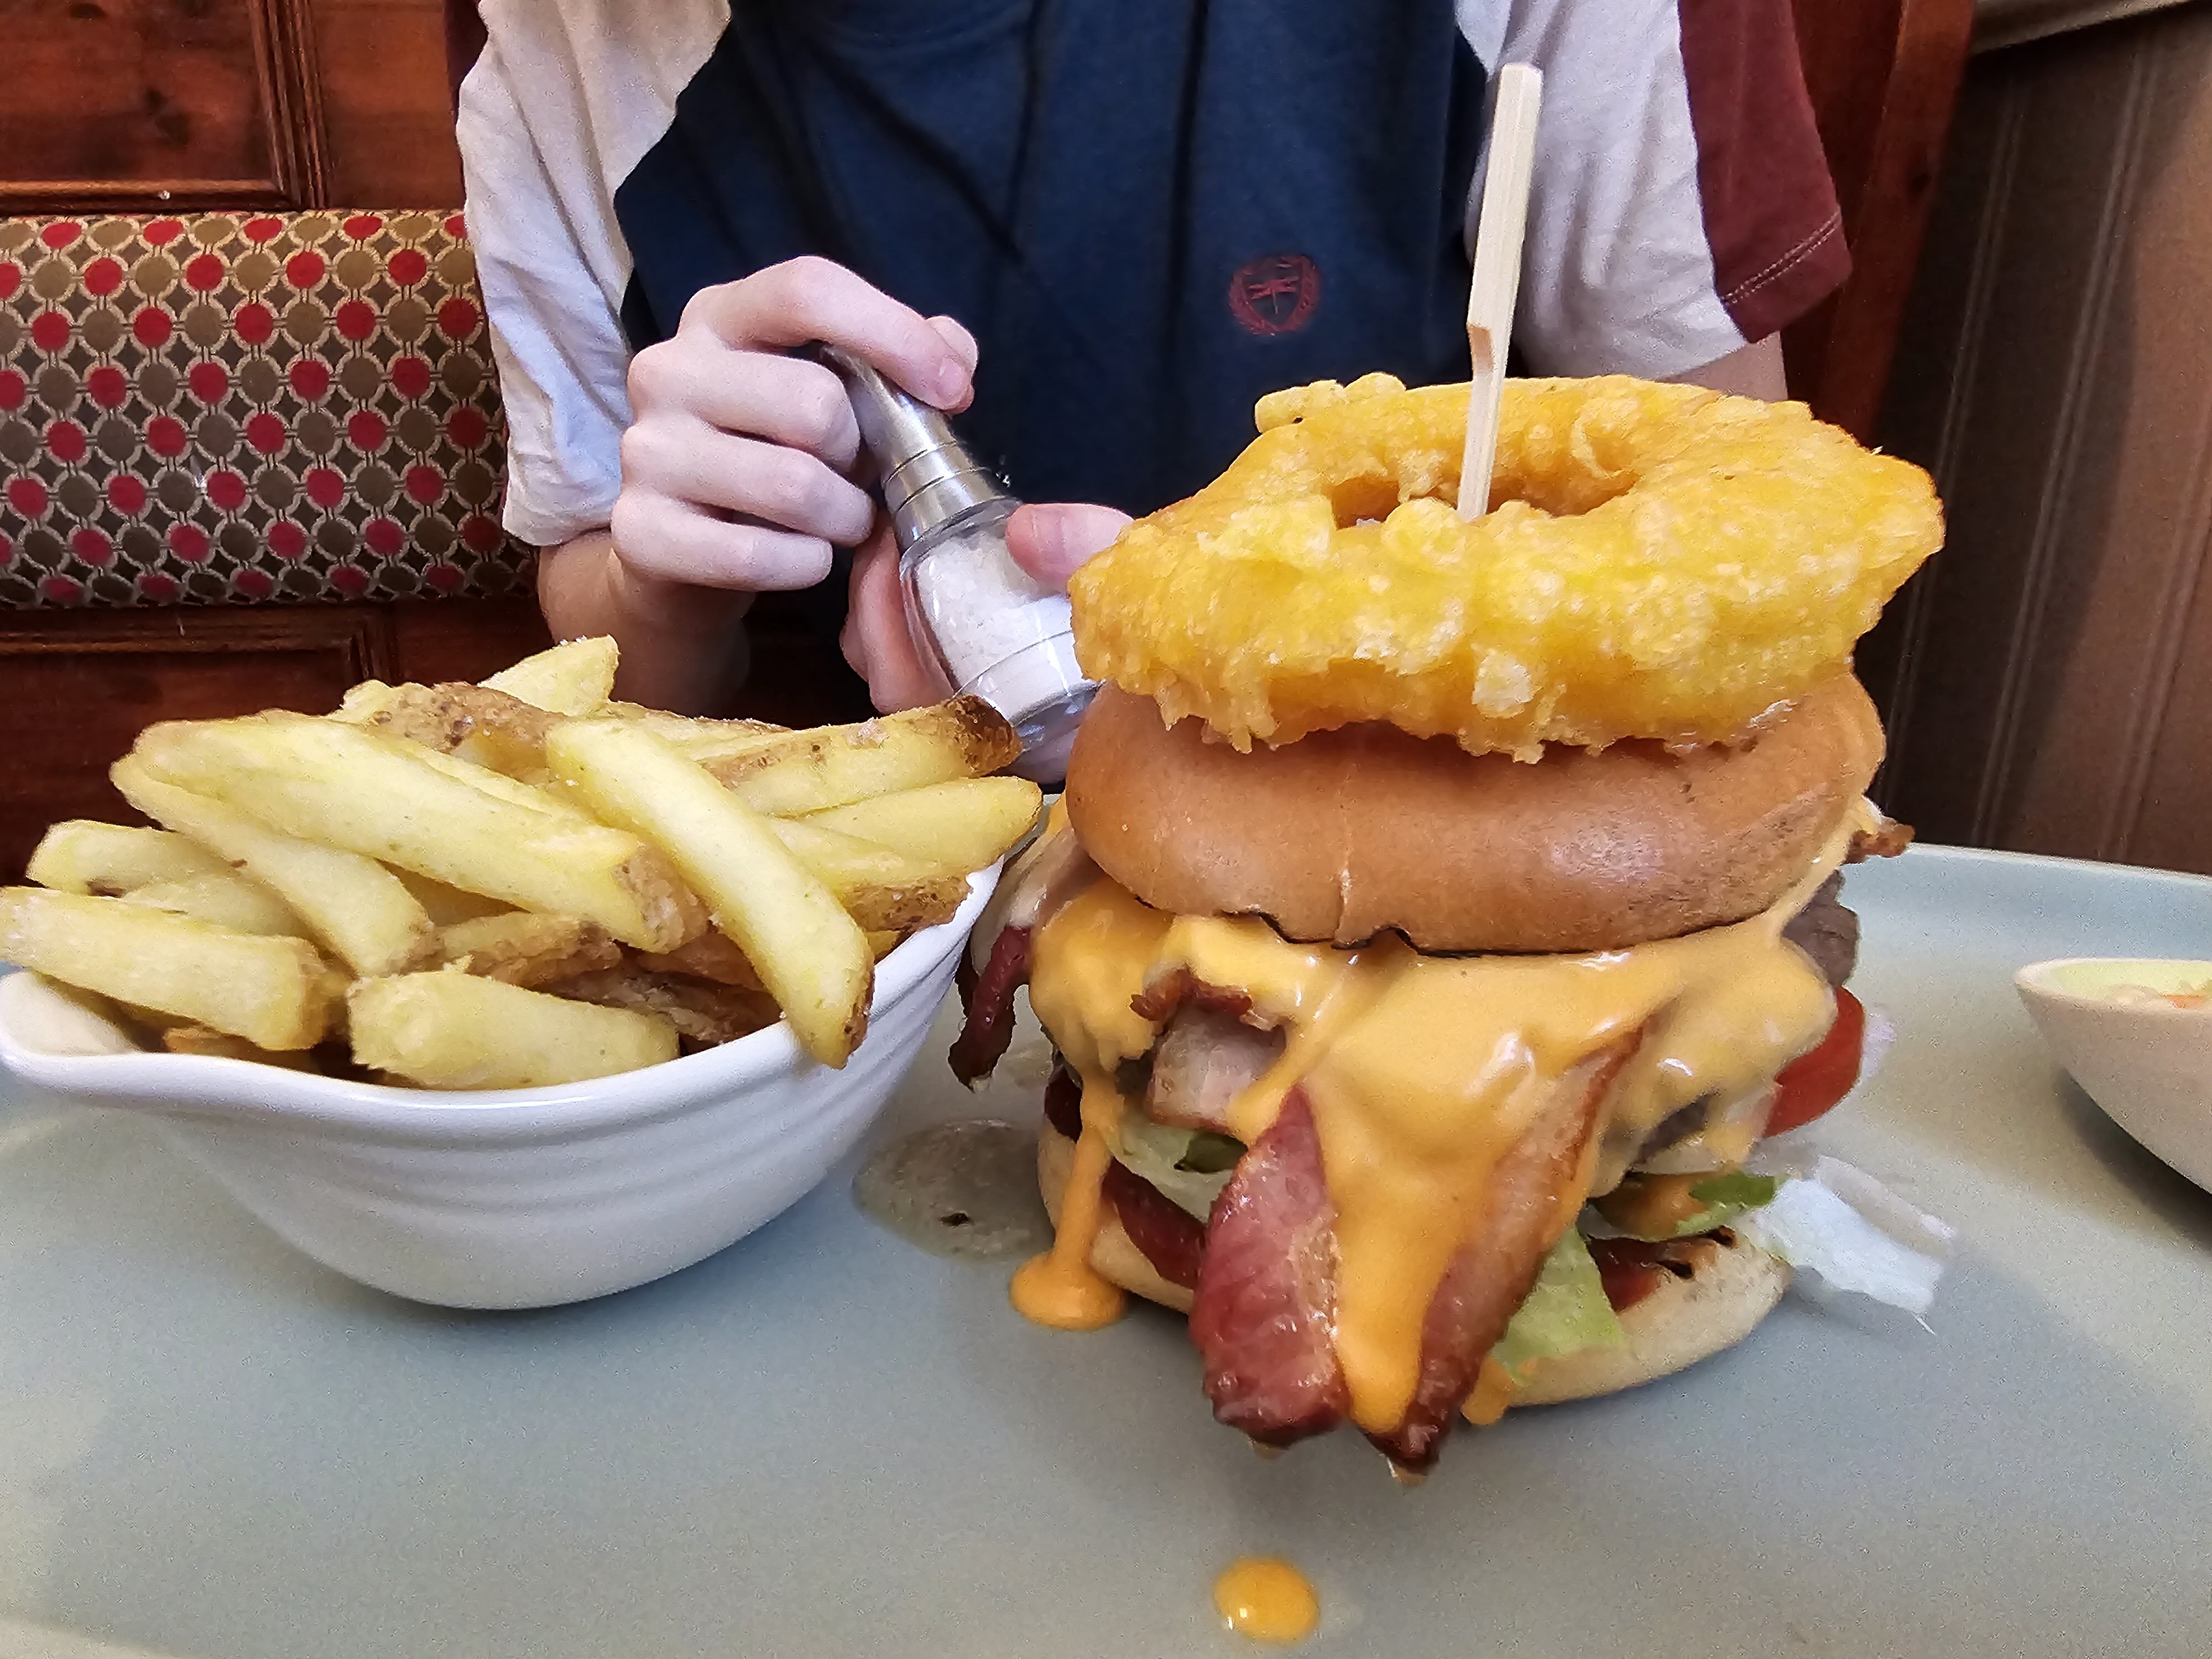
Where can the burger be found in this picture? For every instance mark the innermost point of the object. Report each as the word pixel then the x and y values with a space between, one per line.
pixel 1423 1076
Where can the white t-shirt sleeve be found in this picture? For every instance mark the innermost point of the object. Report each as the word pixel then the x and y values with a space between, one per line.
pixel 1680 206
pixel 555 326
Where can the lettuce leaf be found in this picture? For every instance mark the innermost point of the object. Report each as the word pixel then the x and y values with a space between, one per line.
pixel 1841 1224
pixel 1188 1166
pixel 1720 1199
pixel 1564 1313
pixel 1725 1197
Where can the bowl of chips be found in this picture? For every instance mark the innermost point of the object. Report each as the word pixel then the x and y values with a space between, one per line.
pixel 509 995
pixel 516 1198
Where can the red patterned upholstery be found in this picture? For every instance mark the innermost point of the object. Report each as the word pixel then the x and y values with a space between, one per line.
pixel 235 409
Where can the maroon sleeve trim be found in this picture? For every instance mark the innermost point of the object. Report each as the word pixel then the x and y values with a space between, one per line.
pixel 1770 217
pixel 1793 284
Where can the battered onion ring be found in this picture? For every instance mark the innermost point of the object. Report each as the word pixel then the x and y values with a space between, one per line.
pixel 1660 562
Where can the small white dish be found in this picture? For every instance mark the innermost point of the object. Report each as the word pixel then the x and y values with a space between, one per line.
pixel 2146 1062
pixel 518 1198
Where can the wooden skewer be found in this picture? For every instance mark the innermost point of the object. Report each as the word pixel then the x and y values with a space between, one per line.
pixel 1497 282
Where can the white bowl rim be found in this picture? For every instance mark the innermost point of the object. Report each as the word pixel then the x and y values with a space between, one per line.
pixel 2034 980
pixel 205 1084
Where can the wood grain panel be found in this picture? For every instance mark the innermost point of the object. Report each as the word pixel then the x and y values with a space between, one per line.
pixel 1882 76
pixel 75 689
pixel 116 105
pixel 113 90
pixel 460 639
pixel 75 692
pixel 386 103
pixel 2045 678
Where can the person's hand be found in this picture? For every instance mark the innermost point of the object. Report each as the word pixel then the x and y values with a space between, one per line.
pixel 1047 540
pixel 736 464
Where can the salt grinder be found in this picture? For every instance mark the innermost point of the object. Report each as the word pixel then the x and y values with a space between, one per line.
pixel 980 622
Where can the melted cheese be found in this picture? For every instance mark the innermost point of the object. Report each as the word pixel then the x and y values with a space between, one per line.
pixel 1266 1599
pixel 1422 1073
pixel 1061 1288
pixel 1494 1389
pixel 1652 1206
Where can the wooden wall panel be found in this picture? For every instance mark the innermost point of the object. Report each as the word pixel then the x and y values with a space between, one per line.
pixel 76 688
pixel 1882 77
pixel 143 104
pixel 2045 680
pixel 73 697
pixel 387 115
pixel 133 89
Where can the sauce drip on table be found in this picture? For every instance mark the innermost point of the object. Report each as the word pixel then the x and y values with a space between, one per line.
pixel 1266 1599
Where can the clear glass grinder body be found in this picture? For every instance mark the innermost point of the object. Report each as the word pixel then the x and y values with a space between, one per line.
pixel 979 623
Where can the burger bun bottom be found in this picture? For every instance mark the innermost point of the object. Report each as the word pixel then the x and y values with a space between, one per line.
pixel 1731 1287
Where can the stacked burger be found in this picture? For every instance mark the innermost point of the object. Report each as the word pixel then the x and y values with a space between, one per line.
pixel 1442 912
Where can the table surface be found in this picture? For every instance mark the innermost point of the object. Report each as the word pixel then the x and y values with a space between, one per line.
pixel 823 1441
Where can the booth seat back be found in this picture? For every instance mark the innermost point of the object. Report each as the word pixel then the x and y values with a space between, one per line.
pixel 246 409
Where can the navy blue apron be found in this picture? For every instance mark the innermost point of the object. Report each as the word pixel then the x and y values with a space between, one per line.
pixel 1149 212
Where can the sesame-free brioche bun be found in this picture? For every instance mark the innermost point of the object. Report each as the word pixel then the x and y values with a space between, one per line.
pixel 1114 1253
pixel 1346 834
pixel 1731 1288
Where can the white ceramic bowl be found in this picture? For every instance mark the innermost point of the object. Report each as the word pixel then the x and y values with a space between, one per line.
pixel 2148 1064
pixel 518 1198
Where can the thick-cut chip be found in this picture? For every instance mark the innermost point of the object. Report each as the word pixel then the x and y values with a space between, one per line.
pixel 880 889
pixel 448 905
pixel 573 677
pixel 810 954
pixel 487 727
pixel 82 856
pixel 353 905
pixel 554 802
pixel 712 956
pixel 221 1045
pixel 399 803
pixel 523 949
pixel 716 958
pixel 236 902
pixel 449 1031
pixel 959 826
pixel 695 736
pixel 275 993
pixel 704 1014
pixel 806 771
pixel 364 702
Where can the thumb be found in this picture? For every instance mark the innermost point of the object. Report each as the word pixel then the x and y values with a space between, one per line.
pixel 1050 541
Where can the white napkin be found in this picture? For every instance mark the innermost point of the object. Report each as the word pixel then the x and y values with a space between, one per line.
pixel 1839 1222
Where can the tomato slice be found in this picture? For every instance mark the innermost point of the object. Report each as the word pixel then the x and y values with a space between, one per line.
pixel 1810 1085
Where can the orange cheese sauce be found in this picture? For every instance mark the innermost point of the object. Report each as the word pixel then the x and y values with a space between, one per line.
pixel 1494 1389
pixel 1061 1288
pixel 1266 1599
pixel 1424 1072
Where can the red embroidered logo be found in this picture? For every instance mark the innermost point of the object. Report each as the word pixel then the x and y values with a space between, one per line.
pixel 1275 295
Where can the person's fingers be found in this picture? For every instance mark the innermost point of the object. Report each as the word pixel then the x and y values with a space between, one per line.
pixel 786 489
pixel 811 298
pixel 1050 540
pixel 958 336
pixel 669 540
pixel 963 344
pixel 875 638
pixel 760 394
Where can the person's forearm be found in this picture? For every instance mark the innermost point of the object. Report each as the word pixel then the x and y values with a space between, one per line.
pixel 1752 371
pixel 682 648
